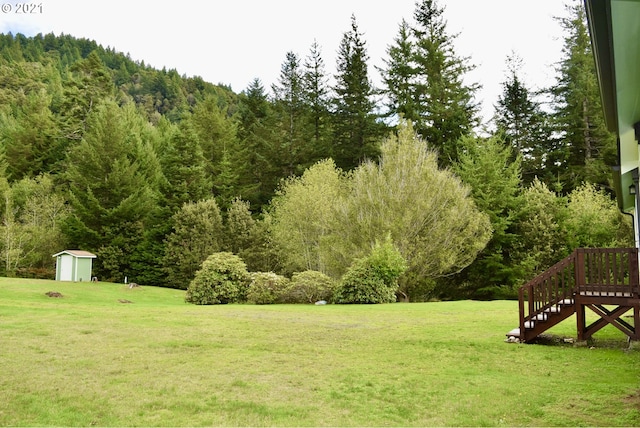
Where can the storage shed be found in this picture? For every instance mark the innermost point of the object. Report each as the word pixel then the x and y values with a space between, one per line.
pixel 73 265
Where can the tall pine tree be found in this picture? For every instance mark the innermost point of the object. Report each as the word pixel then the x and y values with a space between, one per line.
pixel 488 167
pixel 424 81
pixel 258 140
pixel 399 77
pixel 587 149
pixel 356 128
pixel 316 97
pixel 291 117
pixel 519 118
pixel 113 176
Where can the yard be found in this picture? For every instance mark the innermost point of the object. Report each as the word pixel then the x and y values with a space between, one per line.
pixel 107 355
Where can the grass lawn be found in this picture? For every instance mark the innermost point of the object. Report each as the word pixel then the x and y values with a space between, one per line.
pixel 88 360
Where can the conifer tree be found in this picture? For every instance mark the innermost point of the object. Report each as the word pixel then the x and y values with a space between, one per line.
pixel 291 116
pixel 113 176
pixel 258 140
pixel 424 81
pixel 488 167
pixel 399 76
pixel 197 233
pixel 586 149
pixel 225 183
pixel 28 136
pixel 446 107
pixel 184 167
pixel 523 124
pixel 90 85
pixel 316 97
pixel 238 226
pixel 355 124
pixel 215 129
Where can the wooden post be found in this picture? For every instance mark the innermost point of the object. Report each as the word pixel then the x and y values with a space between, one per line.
pixel 580 319
pixel 636 322
pixel 579 268
pixel 634 283
pixel 580 281
pixel 521 309
pixel 633 269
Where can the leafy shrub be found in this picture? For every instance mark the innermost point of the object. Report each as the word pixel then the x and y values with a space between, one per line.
pixel 267 288
pixel 309 287
pixel 373 279
pixel 197 233
pixel 387 262
pixel 223 278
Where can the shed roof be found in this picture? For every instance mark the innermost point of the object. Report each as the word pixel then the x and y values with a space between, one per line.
pixel 76 253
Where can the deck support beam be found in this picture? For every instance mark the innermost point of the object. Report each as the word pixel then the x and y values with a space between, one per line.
pixel 607 316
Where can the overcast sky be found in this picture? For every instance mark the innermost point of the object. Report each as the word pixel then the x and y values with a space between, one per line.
pixel 234 41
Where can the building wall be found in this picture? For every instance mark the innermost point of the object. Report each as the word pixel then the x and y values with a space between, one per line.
pixel 65 266
pixel 83 269
pixel 71 268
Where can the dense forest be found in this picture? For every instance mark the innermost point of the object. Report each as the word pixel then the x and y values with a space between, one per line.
pixel 154 171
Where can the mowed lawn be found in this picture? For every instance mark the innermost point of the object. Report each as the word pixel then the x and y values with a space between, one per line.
pixel 87 359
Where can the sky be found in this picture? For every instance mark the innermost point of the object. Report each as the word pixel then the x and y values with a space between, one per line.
pixel 235 41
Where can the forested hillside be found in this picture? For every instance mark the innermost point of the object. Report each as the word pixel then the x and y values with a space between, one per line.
pixel 153 171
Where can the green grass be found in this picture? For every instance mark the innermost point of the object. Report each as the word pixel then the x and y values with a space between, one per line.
pixel 88 360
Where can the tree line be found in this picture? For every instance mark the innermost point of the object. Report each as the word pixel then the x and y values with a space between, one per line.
pixel 154 171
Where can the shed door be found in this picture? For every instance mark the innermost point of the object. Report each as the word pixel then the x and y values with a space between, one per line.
pixel 66 268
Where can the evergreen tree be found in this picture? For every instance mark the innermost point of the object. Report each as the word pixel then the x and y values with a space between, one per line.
pixel 291 116
pixel 355 125
pixel 225 184
pixel 399 76
pixel 523 123
pixel 28 136
pixel 113 176
pixel 316 97
pixel 424 81
pixel 184 167
pixel 259 177
pixel 239 225
pixel 488 167
pixel 89 86
pixel 587 149
pixel 215 129
pixel 197 233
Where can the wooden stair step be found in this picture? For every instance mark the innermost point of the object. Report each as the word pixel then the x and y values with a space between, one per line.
pixel 514 333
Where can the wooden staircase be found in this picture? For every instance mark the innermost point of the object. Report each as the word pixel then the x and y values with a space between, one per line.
pixel 594 278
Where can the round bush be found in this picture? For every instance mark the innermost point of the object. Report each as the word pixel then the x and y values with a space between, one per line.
pixel 222 279
pixel 362 284
pixel 267 288
pixel 309 287
pixel 373 279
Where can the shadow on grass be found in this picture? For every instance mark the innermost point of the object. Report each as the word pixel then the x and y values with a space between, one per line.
pixel 593 343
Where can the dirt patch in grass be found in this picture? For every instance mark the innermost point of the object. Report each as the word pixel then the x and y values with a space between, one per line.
pixel 633 400
pixel 53 294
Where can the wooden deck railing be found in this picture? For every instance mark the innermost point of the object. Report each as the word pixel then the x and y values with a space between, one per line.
pixel 591 271
pixel 607 271
pixel 554 285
